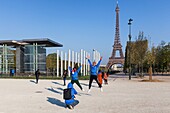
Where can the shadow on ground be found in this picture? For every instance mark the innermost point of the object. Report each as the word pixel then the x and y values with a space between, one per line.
pixel 61 89
pixel 88 84
pixel 57 83
pixel 53 90
pixel 56 102
pixel 33 81
pixel 79 94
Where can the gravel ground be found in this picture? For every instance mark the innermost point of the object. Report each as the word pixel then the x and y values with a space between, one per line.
pixel 120 96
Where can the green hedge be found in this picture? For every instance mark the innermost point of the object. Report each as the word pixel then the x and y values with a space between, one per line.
pixel 41 77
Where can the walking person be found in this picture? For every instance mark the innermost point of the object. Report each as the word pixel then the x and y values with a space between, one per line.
pixel 93 73
pixel 74 76
pixel 64 76
pixel 37 73
pixel 70 103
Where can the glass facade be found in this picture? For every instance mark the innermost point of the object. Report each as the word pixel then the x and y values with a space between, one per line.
pixel 34 58
pixel 24 56
pixel 7 59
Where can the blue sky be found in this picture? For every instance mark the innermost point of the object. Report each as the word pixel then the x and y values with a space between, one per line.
pixel 84 24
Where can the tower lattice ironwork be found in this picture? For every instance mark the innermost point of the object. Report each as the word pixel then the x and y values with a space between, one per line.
pixel 117 44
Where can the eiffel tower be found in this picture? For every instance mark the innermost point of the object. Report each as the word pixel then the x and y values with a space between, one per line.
pixel 117 45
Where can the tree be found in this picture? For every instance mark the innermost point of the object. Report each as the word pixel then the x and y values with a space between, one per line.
pixel 137 52
pixel 51 62
pixel 141 47
pixel 150 59
pixel 163 57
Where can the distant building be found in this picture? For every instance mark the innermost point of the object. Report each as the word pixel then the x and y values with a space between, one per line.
pixel 24 56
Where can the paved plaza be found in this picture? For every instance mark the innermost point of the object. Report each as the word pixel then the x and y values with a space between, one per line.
pixel 120 96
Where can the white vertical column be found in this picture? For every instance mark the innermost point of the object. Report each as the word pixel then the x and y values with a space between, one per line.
pixel 97 56
pixel 36 56
pixel 61 72
pixel 6 60
pixel 3 66
pixel 72 59
pixel 34 61
pixel 69 55
pixel 81 60
pixel 89 65
pixel 84 65
pixel 57 63
pixel 94 55
pixel 65 61
pixel 0 63
pixel 78 59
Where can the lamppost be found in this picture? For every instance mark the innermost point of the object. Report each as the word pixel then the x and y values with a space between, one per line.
pixel 130 20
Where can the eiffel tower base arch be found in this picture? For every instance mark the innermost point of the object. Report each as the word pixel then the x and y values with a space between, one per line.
pixel 114 61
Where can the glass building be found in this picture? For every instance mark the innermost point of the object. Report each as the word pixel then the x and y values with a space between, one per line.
pixel 24 56
pixel 7 58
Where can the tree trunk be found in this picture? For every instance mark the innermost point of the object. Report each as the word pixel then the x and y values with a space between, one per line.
pixel 150 73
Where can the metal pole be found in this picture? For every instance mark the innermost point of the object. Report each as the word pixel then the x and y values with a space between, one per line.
pixel 130 20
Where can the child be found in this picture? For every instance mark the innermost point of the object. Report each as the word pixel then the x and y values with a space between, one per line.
pixel 99 76
pixel 105 78
pixel 74 76
pixel 71 102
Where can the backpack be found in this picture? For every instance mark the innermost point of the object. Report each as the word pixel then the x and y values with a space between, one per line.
pixel 67 94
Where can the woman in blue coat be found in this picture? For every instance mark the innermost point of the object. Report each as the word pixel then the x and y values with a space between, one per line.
pixel 71 102
pixel 93 73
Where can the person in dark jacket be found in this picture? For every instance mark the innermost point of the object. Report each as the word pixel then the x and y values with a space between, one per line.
pixel 71 102
pixel 37 73
pixel 74 76
pixel 64 76
pixel 93 73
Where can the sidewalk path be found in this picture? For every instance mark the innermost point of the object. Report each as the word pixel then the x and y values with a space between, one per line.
pixel 120 96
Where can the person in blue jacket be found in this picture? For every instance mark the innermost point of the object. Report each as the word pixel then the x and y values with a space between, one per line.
pixel 74 76
pixel 71 102
pixel 93 73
